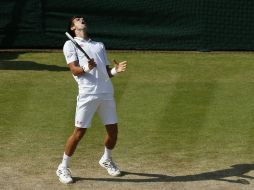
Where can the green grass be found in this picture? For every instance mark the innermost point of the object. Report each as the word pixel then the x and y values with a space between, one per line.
pixel 178 112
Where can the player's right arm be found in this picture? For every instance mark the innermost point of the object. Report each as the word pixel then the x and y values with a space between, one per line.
pixel 77 70
pixel 71 57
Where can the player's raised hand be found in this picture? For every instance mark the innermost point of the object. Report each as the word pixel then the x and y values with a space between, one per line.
pixel 120 67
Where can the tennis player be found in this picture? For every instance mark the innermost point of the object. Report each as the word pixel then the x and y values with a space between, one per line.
pixel 96 94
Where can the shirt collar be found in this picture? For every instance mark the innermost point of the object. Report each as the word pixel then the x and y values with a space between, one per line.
pixel 82 40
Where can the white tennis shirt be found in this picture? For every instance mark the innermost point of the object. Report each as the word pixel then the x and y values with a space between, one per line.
pixel 95 81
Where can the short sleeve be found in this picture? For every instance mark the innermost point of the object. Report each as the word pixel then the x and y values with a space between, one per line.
pixel 69 51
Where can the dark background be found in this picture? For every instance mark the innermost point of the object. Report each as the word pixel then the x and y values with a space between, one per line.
pixel 137 25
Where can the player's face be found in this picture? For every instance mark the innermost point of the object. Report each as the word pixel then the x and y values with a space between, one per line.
pixel 79 23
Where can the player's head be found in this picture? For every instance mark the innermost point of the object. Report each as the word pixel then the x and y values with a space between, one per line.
pixel 76 23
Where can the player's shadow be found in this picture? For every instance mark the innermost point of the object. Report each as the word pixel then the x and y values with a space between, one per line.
pixel 239 171
pixel 7 63
pixel 29 65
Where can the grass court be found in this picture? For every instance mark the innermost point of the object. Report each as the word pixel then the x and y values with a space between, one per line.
pixel 185 122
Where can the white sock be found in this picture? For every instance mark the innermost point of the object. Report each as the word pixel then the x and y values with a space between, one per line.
pixel 107 153
pixel 65 161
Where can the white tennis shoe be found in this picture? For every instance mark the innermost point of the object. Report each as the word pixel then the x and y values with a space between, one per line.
pixel 64 174
pixel 110 166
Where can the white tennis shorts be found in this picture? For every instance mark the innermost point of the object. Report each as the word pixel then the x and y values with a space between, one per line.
pixel 87 105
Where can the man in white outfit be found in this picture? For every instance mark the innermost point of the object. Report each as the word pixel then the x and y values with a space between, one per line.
pixel 96 94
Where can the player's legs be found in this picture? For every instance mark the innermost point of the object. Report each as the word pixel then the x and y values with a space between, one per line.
pixel 84 113
pixel 110 142
pixel 107 113
pixel 63 171
pixel 73 141
pixel 111 136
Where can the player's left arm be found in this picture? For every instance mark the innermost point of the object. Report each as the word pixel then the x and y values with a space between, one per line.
pixel 119 68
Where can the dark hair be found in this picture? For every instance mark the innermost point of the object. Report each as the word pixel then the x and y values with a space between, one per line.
pixel 70 24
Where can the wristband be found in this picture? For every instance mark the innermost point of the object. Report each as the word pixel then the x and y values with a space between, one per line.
pixel 113 71
pixel 86 69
